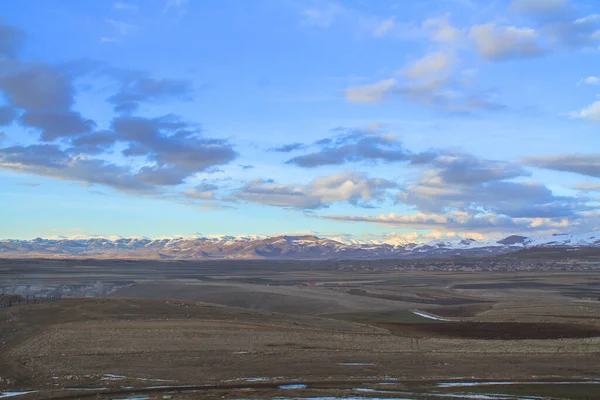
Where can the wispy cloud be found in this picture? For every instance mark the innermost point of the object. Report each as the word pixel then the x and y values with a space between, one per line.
pixel 123 6
pixel 121 29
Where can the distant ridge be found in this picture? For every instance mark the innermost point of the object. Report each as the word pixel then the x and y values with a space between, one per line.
pixel 302 247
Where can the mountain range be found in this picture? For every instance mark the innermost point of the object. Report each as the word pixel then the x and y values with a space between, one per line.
pixel 277 247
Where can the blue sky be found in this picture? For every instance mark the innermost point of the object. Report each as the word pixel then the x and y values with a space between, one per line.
pixel 379 120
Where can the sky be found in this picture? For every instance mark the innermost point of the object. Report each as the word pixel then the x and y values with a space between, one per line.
pixel 389 121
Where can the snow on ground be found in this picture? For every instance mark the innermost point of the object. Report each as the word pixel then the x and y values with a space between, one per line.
pixel 422 314
pixel 13 394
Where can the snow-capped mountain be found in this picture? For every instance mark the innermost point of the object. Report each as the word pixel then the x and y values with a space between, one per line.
pixel 276 247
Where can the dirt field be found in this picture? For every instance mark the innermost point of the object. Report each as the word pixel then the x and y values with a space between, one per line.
pixel 247 333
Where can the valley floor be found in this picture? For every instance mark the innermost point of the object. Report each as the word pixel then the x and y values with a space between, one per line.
pixel 264 334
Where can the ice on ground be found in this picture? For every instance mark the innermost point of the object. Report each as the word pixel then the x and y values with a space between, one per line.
pixel 355 363
pixel 422 314
pixel 113 377
pixel 133 398
pixel 488 383
pixel 14 394
pixel 260 379
pixel 155 380
pixel 344 398
pixel 296 386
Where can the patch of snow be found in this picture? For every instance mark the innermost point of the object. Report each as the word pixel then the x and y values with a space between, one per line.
pixel 488 383
pixel 14 394
pixel 155 380
pixel 113 377
pixel 355 363
pixel 296 386
pixel 422 314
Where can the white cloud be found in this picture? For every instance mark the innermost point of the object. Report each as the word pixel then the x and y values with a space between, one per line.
pixel 384 27
pixel 448 224
pixel 199 195
pixel 349 187
pixel 588 186
pixel 505 42
pixel 370 94
pixel 430 65
pixel 322 17
pixel 590 113
pixel 590 80
pixel 443 31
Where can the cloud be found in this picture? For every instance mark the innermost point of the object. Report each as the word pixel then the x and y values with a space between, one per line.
pixel 39 155
pixel 160 151
pixel 169 141
pixel 354 188
pixel 454 181
pixel 134 86
pixel 353 146
pixel 442 30
pixel 175 4
pixel 559 24
pixel 288 148
pixel 122 28
pixel 322 17
pixel 456 221
pixel 50 161
pixel 449 95
pixel 10 40
pixel 45 94
pixel 162 175
pixel 498 43
pixel 201 192
pixel 590 80
pixel 137 89
pixel 541 8
pixel 467 169
pixel 56 124
pixel 429 82
pixel 590 113
pixel 35 86
pixel 93 143
pixel 434 64
pixel 385 27
pixel 574 34
pixel 246 166
pixel 584 164
pixel 120 5
pixel 370 94
pixel 7 115
pixel 588 186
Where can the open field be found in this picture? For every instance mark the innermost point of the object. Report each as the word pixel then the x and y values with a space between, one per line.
pixel 298 330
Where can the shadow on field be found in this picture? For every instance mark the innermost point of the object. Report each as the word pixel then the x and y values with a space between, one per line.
pixel 492 330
